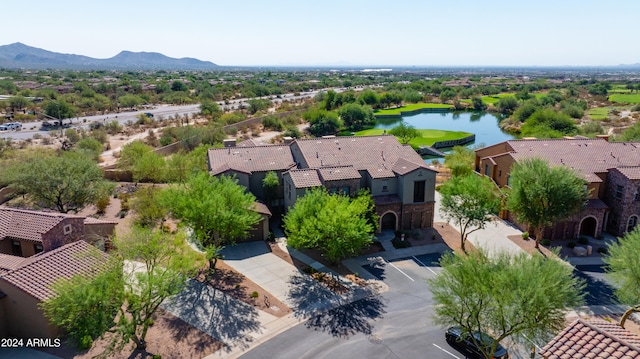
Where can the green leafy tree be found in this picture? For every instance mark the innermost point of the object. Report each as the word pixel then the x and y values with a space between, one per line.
pixel 322 122
pixel 148 211
pixel 66 183
pixel 478 104
pixel 210 109
pixel 86 306
pixel 622 266
pixel 531 302
pixel 258 104
pixel 59 109
pixel 631 134
pixel 178 86
pixel 18 103
pixel 355 116
pixel 507 104
pixel 218 209
pixel 270 185
pixel 549 123
pixel 130 101
pixel 541 195
pixel 405 132
pixel 460 161
pixel 91 146
pixel 156 267
pixel 469 202
pixel 149 168
pixel 369 97
pixel 335 224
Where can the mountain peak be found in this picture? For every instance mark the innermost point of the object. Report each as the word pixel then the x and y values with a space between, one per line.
pixel 23 56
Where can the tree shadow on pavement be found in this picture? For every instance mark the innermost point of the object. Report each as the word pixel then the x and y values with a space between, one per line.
pixel 211 311
pixel 338 315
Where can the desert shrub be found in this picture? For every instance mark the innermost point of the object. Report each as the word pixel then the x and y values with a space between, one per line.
pixel 72 135
pixel 292 131
pixel 399 243
pixel 102 203
pixel 272 123
pixel 546 242
pixel 525 235
pixel 254 294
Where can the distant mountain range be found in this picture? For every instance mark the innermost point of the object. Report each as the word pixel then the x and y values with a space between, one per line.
pixel 18 55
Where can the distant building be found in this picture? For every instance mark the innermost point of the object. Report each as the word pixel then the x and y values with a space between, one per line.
pixel 400 182
pixel 611 169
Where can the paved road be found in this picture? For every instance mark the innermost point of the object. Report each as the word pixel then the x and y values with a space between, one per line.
pixel 31 128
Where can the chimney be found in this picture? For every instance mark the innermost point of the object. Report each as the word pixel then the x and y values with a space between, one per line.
pixel 287 140
pixel 604 137
pixel 231 142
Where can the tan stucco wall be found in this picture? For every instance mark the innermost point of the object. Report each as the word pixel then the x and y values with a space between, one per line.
pixel 407 181
pixel 23 317
pixel 378 183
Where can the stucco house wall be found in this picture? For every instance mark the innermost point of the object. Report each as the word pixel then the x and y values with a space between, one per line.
pixel 24 318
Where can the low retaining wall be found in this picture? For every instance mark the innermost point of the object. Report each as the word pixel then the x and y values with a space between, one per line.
pixel 414 112
pixel 6 194
pixel 451 143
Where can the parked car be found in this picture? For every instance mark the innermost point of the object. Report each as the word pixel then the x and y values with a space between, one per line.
pixel 148 114
pixel 464 343
pixel 4 128
pixel 14 125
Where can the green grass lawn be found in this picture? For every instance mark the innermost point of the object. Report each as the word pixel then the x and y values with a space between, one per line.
pixel 411 107
pixel 599 113
pixel 429 137
pixel 619 88
pixel 625 98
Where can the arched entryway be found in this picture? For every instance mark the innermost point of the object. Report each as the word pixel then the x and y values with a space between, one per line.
pixel 588 226
pixel 632 223
pixel 389 220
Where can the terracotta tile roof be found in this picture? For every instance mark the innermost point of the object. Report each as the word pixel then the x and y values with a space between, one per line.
pixel 250 159
pixel 402 166
pixel 586 156
pixel 305 178
pixel 250 143
pixel 28 225
pixel 338 173
pixel 261 208
pixel 9 262
pixel 375 154
pixel 632 173
pixel 37 276
pixel 595 339
pixel 91 220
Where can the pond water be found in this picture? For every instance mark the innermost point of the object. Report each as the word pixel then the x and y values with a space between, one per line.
pixel 483 125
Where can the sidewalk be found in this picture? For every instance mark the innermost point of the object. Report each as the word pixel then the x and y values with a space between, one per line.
pixel 493 238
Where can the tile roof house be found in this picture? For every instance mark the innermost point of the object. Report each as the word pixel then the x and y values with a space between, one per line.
pixel 401 183
pixel 611 169
pixel 25 233
pixel 25 282
pixel 593 339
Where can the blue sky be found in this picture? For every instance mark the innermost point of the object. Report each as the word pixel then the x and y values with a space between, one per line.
pixel 333 33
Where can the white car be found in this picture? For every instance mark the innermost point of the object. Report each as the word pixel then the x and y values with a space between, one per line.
pixel 14 125
pixel 4 128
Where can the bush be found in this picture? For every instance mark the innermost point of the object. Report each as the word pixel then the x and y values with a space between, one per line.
pixel 254 294
pixel 571 244
pixel 525 236
pixel 272 123
pixel 102 204
pixel 85 343
pixel 546 242
pixel 583 240
pixel 399 243
pixel 602 250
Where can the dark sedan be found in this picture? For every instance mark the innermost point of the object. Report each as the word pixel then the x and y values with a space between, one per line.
pixel 466 343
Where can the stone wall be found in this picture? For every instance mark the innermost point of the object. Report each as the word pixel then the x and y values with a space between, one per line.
pixel 56 237
pixel 623 205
